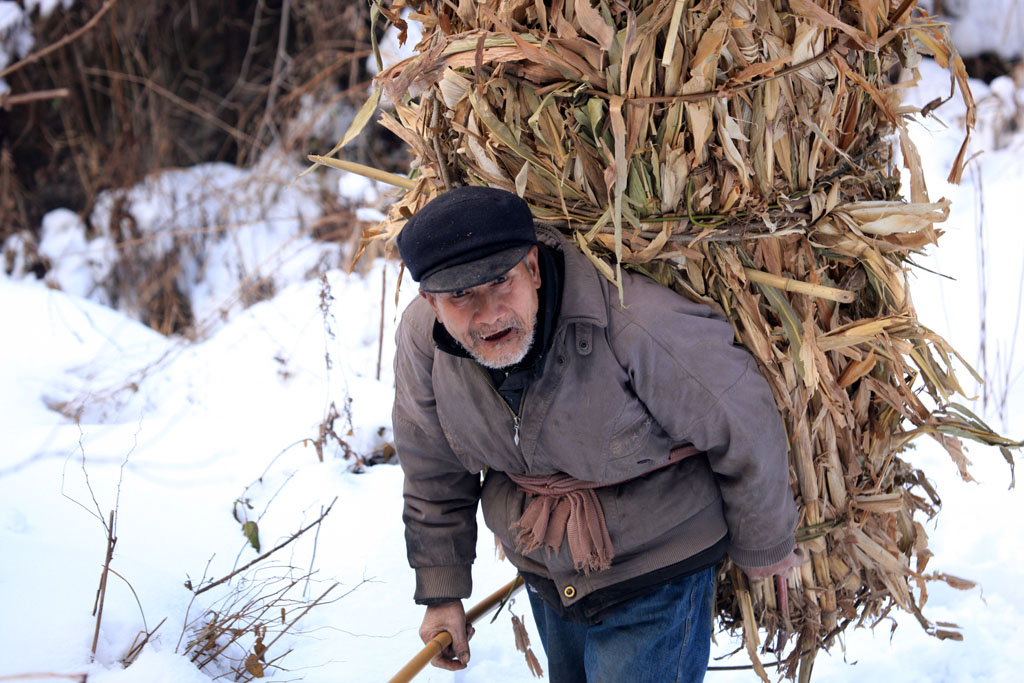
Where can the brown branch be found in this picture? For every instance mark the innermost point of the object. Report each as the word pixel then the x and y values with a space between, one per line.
pixel 275 79
pixel 302 614
pixel 78 678
pixel 184 104
pixel 243 72
pixel 8 101
pixel 36 56
pixel 137 645
pixel 269 552
pixel 101 592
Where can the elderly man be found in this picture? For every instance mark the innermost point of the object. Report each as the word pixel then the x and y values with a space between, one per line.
pixel 618 452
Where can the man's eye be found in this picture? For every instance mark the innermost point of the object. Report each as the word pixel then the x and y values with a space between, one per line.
pixel 501 279
pixel 458 294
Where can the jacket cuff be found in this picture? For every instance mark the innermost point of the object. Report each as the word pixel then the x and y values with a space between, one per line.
pixel 762 557
pixel 447 583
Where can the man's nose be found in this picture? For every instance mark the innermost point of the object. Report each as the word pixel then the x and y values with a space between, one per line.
pixel 489 309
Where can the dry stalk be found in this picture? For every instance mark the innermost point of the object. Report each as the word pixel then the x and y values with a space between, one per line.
pixel 53 47
pixel 176 100
pixel 7 100
pixel 101 592
pixel 141 639
pixel 280 59
pixel 240 629
pixel 285 543
pixel 78 678
pixel 369 172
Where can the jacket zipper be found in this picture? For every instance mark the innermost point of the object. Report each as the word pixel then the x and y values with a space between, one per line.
pixel 517 420
pixel 515 427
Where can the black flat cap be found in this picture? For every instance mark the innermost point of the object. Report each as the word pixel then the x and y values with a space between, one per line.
pixel 466 237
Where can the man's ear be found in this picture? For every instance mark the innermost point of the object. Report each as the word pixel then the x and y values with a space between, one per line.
pixel 432 300
pixel 533 266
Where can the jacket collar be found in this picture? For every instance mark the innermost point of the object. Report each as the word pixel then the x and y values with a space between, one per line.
pixel 584 296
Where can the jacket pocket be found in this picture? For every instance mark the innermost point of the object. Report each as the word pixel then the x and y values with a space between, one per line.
pixel 643 509
pixel 636 449
pixel 632 438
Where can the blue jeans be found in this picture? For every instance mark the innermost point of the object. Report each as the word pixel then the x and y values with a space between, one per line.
pixel 660 637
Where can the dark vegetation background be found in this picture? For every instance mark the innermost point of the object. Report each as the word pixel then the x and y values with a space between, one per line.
pixel 168 83
pixel 159 84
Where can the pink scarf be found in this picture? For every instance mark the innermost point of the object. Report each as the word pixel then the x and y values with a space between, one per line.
pixel 565 506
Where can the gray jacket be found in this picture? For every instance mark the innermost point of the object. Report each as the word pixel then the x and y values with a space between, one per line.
pixel 620 387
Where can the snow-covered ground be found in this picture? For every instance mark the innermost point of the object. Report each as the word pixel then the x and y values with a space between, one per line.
pixel 187 440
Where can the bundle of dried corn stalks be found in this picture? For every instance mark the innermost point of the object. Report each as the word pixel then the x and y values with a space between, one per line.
pixel 741 152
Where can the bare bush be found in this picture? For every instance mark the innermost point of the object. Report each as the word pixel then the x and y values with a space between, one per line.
pixel 164 84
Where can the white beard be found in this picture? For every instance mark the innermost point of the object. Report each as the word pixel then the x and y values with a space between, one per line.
pixel 509 357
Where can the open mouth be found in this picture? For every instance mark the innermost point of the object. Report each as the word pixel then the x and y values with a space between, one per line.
pixel 497 336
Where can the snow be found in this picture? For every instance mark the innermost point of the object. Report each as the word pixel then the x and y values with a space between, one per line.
pixel 100 413
pixel 16 29
pixel 391 49
pixel 79 264
pixel 979 26
pixel 15 37
pixel 46 7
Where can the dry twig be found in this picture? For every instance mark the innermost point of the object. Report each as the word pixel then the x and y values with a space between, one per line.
pixel 53 47
pixel 267 554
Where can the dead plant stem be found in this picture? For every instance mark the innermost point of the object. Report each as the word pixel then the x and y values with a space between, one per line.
pixel 366 171
pixel 84 176
pixel 135 595
pixel 243 71
pixel 20 678
pixel 8 101
pixel 101 592
pixel 302 614
pixel 184 104
pixel 75 35
pixel 1009 379
pixel 267 554
pixel 136 649
pixel 88 97
pixel 312 561
pixel 254 618
pixel 275 80
pixel 191 601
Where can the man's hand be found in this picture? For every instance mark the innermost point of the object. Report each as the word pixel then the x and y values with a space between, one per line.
pixel 783 567
pixel 450 617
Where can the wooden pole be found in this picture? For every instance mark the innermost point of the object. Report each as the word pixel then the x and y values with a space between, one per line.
pixel 444 639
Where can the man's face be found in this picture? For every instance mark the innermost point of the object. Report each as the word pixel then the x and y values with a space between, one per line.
pixel 496 321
